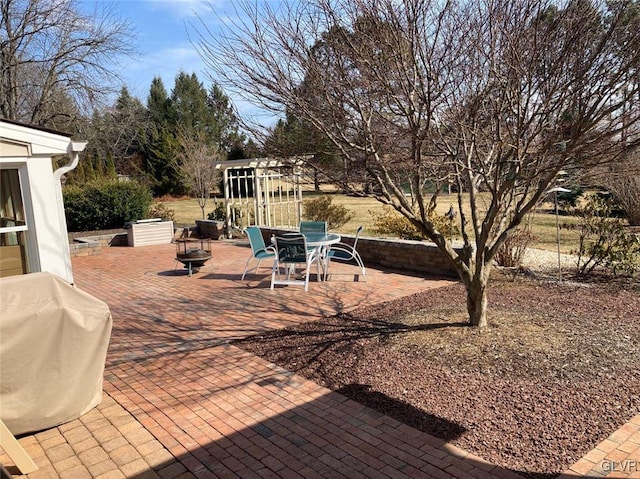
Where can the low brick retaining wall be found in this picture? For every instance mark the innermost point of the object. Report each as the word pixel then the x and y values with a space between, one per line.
pixel 405 255
pixel 90 245
pixel 84 249
pixel 93 244
pixel 416 256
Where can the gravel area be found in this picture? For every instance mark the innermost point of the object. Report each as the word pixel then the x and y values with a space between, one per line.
pixel 545 261
pixel 556 371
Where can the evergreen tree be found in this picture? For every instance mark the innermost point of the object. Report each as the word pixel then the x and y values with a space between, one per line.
pixel 110 167
pixel 292 137
pixel 188 114
pixel 89 171
pixel 161 145
pixel 158 104
pixel 225 123
pixel 130 120
pixel 118 133
pixel 189 102
pixel 77 175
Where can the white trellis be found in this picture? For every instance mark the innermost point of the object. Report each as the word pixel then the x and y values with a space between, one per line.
pixel 262 192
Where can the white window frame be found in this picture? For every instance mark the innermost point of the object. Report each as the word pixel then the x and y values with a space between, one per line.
pixel 32 259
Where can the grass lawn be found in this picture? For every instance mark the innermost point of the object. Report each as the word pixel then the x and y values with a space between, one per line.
pixel 543 222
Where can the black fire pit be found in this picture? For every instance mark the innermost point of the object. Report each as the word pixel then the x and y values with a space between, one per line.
pixel 193 253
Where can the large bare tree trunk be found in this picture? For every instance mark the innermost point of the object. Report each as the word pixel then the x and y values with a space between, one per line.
pixel 477 301
pixel 474 271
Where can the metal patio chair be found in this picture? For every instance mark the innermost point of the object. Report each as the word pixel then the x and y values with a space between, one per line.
pixel 259 250
pixel 291 251
pixel 346 252
pixel 313 227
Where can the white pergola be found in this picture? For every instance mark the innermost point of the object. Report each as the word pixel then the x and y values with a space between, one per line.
pixel 262 192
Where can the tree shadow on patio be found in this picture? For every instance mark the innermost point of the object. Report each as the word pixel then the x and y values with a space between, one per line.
pixel 328 436
pixel 403 412
pixel 306 345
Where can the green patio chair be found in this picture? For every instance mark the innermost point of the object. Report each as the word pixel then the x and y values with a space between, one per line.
pixel 259 250
pixel 313 227
pixel 291 251
pixel 346 252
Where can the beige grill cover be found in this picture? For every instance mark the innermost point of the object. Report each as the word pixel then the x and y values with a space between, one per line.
pixel 53 346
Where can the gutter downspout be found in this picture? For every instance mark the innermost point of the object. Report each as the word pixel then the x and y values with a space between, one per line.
pixel 73 150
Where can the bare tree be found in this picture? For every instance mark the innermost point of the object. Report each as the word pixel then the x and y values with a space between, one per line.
pixel 50 51
pixel 195 164
pixel 627 193
pixel 622 179
pixel 495 97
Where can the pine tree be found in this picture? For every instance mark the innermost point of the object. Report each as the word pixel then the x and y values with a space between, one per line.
pixel 89 172
pixel 161 145
pixel 110 167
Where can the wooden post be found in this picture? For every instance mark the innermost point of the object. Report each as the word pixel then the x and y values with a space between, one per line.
pixel 14 450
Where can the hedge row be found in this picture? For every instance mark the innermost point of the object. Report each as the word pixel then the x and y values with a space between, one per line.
pixel 105 204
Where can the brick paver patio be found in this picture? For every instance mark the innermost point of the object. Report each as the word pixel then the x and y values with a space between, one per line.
pixel 181 401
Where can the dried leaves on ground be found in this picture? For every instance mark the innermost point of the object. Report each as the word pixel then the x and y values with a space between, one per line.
pixel 555 373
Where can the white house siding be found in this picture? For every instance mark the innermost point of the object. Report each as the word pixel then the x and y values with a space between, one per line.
pixel 31 150
pixel 49 236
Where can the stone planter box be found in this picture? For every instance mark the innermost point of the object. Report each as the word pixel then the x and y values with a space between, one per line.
pixel 210 229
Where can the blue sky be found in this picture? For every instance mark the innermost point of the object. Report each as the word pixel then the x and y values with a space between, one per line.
pixel 162 40
pixel 163 29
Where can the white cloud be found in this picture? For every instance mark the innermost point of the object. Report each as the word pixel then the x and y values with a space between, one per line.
pixel 186 8
pixel 164 42
pixel 165 63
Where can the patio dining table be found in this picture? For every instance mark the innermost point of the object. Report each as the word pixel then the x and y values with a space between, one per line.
pixel 321 242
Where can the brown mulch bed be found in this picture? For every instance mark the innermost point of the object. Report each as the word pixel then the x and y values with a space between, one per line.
pixel 555 373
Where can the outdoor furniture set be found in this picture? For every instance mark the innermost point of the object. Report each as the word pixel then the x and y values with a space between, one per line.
pixel 311 244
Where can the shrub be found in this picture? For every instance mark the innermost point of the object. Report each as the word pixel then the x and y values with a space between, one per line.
pixel 322 209
pixel 512 251
pixel 219 213
pixel 627 193
pixel 105 204
pixel 567 200
pixel 603 240
pixel 160 210
pixel 390 222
